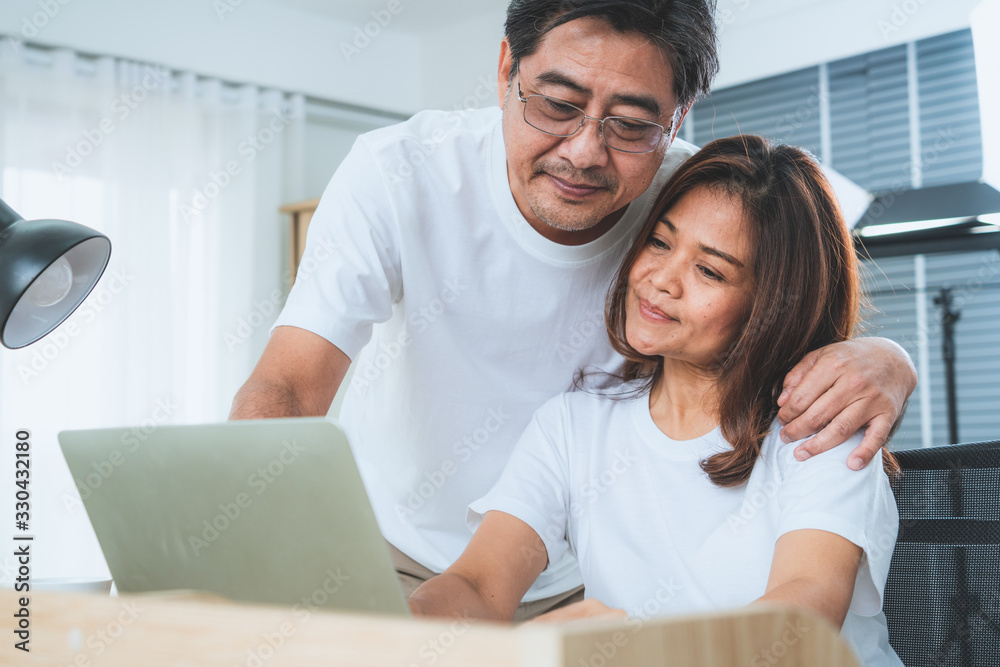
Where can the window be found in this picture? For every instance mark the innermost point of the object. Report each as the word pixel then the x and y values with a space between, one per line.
pixel 897 118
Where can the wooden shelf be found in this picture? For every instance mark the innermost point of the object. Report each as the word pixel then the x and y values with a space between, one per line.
pixel 302 213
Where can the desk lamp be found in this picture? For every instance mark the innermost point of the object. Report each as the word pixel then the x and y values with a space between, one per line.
pixel 47 269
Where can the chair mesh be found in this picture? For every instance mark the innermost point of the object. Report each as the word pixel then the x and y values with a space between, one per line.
pixel 942 597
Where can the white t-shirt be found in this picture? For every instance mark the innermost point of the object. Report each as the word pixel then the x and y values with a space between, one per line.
pixel 478 319
pixel 654 536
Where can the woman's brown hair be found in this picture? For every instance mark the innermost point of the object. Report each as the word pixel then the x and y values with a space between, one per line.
pixel 805 289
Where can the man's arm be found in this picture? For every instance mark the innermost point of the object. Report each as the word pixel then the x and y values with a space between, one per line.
pixel 839 389
pixel 297 376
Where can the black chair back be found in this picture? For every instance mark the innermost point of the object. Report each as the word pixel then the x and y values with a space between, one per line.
pixel 942 597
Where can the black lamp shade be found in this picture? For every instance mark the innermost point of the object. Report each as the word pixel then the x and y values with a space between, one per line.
pixel 47 269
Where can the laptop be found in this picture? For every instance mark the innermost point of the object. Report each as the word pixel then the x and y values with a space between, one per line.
pixel 268 511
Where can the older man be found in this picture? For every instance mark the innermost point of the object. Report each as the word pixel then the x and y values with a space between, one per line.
pixel 473 254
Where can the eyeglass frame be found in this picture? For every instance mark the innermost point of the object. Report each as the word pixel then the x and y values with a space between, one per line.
pixel 600 121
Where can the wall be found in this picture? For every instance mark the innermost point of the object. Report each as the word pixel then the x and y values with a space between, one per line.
pixel 758 38
pixel 256 42
pixel 327 144
pixel 264 43
pixel 447 80
pixel 784 35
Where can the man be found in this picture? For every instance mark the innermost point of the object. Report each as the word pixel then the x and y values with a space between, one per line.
pixel 473 254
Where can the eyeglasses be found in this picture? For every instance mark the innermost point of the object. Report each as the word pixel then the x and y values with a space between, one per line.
pixel 562 119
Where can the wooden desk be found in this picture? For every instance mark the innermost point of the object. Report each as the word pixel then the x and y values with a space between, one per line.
pixel 161 630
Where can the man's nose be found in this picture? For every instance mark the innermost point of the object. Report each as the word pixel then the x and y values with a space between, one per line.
pixel 586 148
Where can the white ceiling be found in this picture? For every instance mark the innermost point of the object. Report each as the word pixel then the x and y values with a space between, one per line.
pixel 415 16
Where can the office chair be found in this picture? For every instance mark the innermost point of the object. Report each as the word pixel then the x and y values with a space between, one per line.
pixel 942 597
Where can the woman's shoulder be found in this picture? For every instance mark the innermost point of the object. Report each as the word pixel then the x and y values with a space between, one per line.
pixel 608 398
pixel 579 400
pixel 587 406
pixel 781 454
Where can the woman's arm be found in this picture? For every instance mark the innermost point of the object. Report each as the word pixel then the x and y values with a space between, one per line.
pixel 502 561
pixel 814 570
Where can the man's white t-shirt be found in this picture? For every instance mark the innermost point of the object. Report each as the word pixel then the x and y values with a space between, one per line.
pixel 460 318
pixel 596 477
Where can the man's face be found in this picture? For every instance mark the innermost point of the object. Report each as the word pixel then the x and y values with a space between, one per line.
pixel 572 184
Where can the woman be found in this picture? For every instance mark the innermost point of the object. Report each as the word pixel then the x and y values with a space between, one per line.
pixel 676 493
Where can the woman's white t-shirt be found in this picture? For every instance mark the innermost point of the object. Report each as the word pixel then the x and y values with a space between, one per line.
pixel 654 536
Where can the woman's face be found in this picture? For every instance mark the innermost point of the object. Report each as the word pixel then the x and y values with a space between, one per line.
pixel 688 291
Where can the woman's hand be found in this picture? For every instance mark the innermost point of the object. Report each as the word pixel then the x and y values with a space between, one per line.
pixel 837 390
pixel 583 609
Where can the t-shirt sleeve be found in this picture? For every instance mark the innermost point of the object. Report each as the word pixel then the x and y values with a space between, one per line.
pixel 534 485
pixel 822 493
pixel 349 275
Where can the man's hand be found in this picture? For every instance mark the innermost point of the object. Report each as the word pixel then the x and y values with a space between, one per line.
pixel 836 390
pixel 584 609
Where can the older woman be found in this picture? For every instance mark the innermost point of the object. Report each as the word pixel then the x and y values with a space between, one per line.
pixel 672 486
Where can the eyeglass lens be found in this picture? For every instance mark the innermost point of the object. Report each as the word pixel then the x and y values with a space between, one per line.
pixel 551 116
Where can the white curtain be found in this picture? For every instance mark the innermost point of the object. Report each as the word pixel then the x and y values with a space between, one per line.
pixel 185 175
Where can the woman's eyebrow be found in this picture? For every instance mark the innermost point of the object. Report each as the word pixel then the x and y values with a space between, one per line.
pixel 704 248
